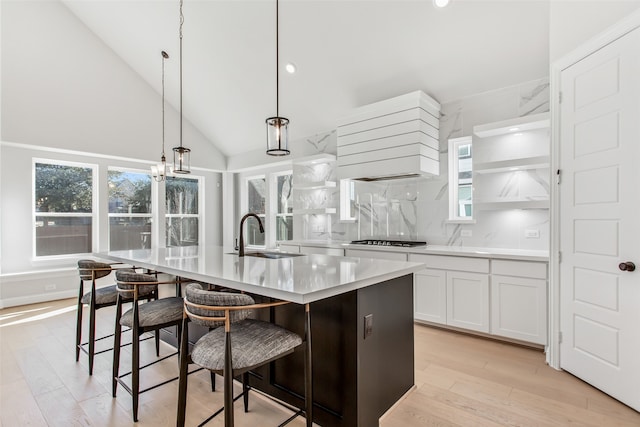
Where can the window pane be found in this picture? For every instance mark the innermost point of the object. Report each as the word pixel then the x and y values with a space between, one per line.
pixel 129 233
pixel 285 203
pixel 284 227
pixel 63 235
pixel 257 193
pixel 63 188
pixel 252 235
pixel 465 176
pixel 129 192
pixel 182 231
pixel 182 196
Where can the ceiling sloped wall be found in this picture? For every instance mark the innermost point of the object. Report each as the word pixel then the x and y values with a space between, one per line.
pixel 62 87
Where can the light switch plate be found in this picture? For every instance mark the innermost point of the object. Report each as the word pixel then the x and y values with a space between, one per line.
pixel 532 234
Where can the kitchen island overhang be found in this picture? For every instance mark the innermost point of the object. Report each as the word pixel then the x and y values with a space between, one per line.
pixel 359 371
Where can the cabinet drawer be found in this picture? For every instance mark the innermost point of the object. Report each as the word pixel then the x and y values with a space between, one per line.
pixel 394 256
pixel 321 251
pixel 458 263
pixel 534 270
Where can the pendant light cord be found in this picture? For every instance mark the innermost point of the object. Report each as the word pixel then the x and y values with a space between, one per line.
pixel 165 55
pixel 277 62
pixel 181 23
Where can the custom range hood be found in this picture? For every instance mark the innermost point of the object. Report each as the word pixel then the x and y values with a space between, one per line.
pixel 391 139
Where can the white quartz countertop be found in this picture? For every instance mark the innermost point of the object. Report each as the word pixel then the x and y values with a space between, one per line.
pixel 301 279
pixel 468 251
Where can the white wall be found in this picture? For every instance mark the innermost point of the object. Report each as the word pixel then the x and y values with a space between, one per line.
pixel 67 96
pixel 572 23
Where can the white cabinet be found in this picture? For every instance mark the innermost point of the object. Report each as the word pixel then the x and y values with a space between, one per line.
pixel 430 296
pixel 363 253
pixel 519 300
pixel 468 300
pixel 322 251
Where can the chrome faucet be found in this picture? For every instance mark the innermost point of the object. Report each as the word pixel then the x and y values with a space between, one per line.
pixel 241 247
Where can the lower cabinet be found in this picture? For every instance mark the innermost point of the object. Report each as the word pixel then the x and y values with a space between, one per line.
pixel 504 298
pixel 468 300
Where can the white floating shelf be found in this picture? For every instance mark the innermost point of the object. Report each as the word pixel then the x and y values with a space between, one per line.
pixel 537 162
pixel 314 185
pixel 315 211
pixel 315 158
pixel 511 204
pixel 519 124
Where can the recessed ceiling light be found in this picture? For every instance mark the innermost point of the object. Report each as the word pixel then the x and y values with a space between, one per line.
pixel 290 67
pixel 440 3
pixel 513 129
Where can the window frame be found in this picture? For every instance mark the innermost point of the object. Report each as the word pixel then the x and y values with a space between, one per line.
pixel 199 215
pixel 93 215
pixel 454 182
pixel 244 207
pixel 272 202
pixel 154 200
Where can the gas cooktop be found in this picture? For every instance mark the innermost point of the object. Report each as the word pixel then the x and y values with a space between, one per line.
pixel 402 243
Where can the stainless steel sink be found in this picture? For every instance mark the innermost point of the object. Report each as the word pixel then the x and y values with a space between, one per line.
pixel 271 255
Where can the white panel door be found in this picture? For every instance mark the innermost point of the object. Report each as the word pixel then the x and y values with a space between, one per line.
pixel 468 300
pixel 599 219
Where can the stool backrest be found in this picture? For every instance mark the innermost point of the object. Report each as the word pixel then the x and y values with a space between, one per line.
pixel 196 295
pixel 127 277
pixel 90 269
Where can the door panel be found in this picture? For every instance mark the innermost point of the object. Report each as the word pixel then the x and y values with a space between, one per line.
pixel 599 204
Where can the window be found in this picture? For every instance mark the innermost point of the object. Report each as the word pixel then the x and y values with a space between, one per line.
pixel 63 208
pixel 256 201
pixel 460 179
pixel 182 211
pixel 130 210
pixel 284 211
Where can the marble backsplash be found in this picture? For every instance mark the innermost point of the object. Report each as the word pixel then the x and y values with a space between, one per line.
pixel 417 209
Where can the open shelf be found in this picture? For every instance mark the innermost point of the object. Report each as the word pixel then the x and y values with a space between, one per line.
pixel 314 185
pixel 315 211
pixel 519 124
pixel 536 162
pixel 492 205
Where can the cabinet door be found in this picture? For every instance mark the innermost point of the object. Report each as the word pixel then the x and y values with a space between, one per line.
pixel 519 308
pixel 323 251
pixel 468 300
pixel 430 296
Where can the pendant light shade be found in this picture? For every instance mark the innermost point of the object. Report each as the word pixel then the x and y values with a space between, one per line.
pixel 277 127
pixel 159 171
pixel 181 155
pixel 277 136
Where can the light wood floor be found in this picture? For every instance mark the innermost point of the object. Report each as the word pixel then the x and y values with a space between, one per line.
pixel 461 381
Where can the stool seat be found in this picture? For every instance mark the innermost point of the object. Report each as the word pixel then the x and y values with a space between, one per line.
pixel 253 343
pixel 157 312
pixel 109 294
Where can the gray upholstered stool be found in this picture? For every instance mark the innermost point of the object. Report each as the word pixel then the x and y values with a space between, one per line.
pixel 95 299
pixel 151 316
pixel 236 345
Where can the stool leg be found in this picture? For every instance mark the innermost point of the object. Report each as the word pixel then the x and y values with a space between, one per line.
pixel 117 338
pixel 92 333
pixel 182 382
pixel 79 323
pixel 213 381
pixel 135 372
pixel 228 381
pixel 308 371
pixel 245 391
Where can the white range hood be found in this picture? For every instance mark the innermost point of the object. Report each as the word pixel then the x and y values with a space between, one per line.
pixel 394 138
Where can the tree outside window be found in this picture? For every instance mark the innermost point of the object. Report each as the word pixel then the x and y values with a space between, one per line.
pixel 182 217
pixel 130 210
pixel 284 213
pixel 63 209
pixel 256 201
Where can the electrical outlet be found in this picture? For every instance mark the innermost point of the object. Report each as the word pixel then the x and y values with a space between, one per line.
pixel 532 234
pixel 466 233
pixel 368 325
pixel 50 287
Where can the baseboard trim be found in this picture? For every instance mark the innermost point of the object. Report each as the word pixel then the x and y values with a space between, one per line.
pixel 33 299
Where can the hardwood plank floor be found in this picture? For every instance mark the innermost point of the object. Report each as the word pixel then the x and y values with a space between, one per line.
pixel 461 380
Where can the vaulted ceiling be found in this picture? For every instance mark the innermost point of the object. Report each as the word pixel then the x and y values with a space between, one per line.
pixel 347 53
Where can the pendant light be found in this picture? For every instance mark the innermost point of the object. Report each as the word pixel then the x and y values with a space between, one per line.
pixel 181 155
pixel 159 171
pixel 277 127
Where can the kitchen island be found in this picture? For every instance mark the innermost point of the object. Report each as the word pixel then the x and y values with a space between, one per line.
pixel 361 322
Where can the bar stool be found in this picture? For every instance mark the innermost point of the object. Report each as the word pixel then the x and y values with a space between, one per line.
pixel 241 345
pixel 95 299
pixel 151 316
